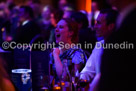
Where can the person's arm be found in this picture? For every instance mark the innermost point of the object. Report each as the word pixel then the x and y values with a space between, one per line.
pixel 95 83
pixel 57 61
pixel 89 71
pixel 79 60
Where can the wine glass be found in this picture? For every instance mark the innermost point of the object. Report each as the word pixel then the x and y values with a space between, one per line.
pixel 75 79
pixel 82 83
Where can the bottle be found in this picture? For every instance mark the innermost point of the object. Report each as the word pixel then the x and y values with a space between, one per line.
pixel 66 78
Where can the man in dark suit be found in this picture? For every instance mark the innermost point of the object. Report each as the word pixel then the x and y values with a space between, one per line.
pixel 28 28
pixel 25 33
pixel 115 70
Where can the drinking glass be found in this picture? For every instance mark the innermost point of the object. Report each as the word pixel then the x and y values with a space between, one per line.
pixel 22 79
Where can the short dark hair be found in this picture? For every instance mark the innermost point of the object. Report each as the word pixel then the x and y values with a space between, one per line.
pixel 80 18
pixel 111 15
pixel 58 14
pixel 28 10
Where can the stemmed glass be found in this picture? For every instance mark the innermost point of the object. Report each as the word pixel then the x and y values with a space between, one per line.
pixel 75 79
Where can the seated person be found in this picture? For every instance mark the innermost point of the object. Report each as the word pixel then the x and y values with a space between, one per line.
pixel 66 33
pixel 104 27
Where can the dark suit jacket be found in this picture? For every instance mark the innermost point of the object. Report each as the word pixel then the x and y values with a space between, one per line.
pixel 27 32
pixel 115 71
pixel 24 35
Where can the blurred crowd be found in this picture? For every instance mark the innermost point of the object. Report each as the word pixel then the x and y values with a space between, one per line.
pixel 43 20
pixel 104 69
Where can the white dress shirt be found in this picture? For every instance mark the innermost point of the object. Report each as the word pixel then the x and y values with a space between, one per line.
pixel 92 66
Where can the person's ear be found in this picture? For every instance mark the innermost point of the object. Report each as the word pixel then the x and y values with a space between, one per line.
pixel 111 26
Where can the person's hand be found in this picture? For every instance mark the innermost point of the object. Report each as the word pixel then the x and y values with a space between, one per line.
pixel 56 52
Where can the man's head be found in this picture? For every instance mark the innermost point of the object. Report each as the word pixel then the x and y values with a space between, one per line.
pixel 81 19
pixel 105 23
pixel 46 12
pixel 26 13
pixel 94 6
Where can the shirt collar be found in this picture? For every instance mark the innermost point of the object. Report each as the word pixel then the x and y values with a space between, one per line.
pixel 25 22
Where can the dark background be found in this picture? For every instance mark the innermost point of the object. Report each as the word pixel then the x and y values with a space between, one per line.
pixel 78 4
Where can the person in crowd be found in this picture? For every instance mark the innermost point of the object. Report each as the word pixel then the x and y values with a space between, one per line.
pixel 46 15
pixel 66 33
pixel 28 27
pixel 105 25
pixel 4 23
pixel 116 64
pixel 14 18
pixel 45 22
pixel 5 82
pixel 8 24
pixel 27 30
pixel 62 3
pixel 37 9
pixel 68 10
pixel 86 35
pixel 92 16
